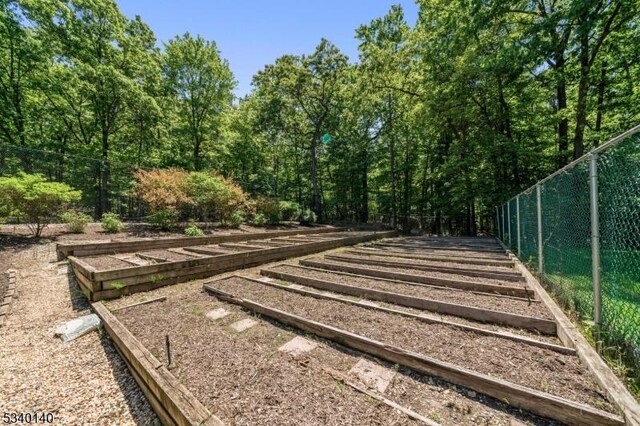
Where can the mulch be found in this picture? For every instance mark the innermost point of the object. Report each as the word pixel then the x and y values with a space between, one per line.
pixel 538 368
pixel 460 297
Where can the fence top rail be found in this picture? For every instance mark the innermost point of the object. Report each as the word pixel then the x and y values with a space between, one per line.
pixel 609 144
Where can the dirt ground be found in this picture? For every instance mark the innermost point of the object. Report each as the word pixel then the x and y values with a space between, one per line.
pixel 460 297
pixel 244 379
pixel 80 382
pixel 538 368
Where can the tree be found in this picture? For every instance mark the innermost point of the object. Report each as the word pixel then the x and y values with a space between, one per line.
pixel 201 84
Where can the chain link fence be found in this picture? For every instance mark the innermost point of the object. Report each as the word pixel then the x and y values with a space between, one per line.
pixel 105 185
pixel 579 229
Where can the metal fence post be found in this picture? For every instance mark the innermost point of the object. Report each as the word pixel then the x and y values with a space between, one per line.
pixel 595 240
pixel 498 222
pixel 518 222
pixel 509 221
pixel 540 243
pixel 502 223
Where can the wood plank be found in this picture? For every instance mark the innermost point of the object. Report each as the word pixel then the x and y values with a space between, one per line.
pixel 242 246
pixel 504 276
pixel 424 317
pixel 435 258
pixel 113 247
pixel 570 335
pixel 144 302
pixel 179 404
pixel 151 257
pixel 83 280
pixel 541 325
pixel 451 248
pixel 82 266
pixel 444 282
pixel 537 402
pixel 396 246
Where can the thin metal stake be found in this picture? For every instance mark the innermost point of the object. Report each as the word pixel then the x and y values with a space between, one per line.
pixel 518 223
pixel 167 344
pixel 540 242
pixel 595 241
pixel 498 222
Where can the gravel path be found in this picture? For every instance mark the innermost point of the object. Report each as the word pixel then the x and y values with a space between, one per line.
pixel 459 297
pixel 537 368
pixel 83 382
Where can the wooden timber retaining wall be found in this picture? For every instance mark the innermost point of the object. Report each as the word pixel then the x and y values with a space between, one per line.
pixel 172 402
pixel 110 284
pixel 112 247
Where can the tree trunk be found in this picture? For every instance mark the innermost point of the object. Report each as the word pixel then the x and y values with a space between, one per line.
pixel 583 88
pixel 104 175
pixel 563 124
pixel 316 202
pixel 364 203
pixel 602 85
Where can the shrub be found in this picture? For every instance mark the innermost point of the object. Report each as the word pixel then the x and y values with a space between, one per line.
pixel 33 198
pixel 76 221
pixel 269 208
pixel 111 223
pixel 164 219
pixel 307 217
pixel 289 210
pixel 237 218
pixel 214 197
pixel 259 220
pixel 163 189
pixel 193 230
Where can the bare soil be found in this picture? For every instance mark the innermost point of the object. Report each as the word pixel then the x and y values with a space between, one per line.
pixel 420 272
pixel 169 256
pixel 459 297
pixel 245 380
pixel 538 368
pixel 437 252
pixel 242 377
pixel 104 263
pixel 436 264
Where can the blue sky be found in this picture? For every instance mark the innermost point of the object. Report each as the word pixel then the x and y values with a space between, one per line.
pixel 253 33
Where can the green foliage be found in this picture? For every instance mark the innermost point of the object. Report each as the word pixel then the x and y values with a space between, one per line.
pixel 259 219
pixel 111 223
pixel 237 219
pixel 164 219
pixel 307 217
pixel 76 221
pixel 213 196
pixel 289 210
pixel 193 231
pixel 269 208
pixel 31 198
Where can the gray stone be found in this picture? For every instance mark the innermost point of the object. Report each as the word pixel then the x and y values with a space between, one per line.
pixel 373 375
pixel 298 345
pixel 217 314
pixel 244 324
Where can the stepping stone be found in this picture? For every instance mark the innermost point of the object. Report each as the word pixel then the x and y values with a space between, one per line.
pixel 369 303
pixel 373 375
pixel 266 280
pixel 295 286
pixel 244 324
pixel 217 314
pixel 298 345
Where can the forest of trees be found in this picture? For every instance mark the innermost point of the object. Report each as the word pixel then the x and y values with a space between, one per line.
pixel 433 125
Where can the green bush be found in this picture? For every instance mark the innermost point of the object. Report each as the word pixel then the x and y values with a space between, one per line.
pixel 289 210
pixel 111 223
pixel 193 231
pixel 35 200
pixel 76 221
pixel 259 220
pixel 213 196
pixel 307 217
pixel 164 219
pixel 269 208
pixel 237 218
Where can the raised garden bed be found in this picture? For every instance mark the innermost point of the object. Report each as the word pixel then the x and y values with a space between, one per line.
pixel 107 277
